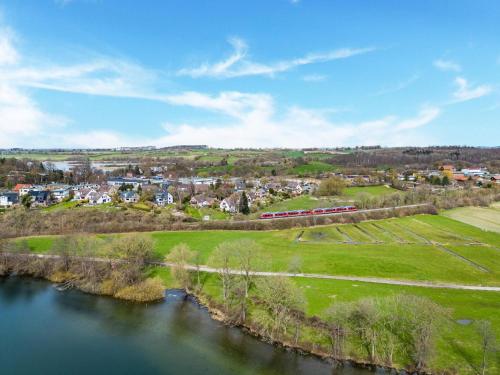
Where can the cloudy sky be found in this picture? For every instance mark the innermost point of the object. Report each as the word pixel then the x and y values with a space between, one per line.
pixel 259 73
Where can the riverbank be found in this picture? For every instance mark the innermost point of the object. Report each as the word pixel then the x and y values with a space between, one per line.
pixel 217 314
pixel 49 331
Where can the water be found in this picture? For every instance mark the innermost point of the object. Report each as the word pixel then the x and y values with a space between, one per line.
pixel 45 331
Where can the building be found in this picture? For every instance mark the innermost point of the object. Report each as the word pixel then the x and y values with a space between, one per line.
pixel 129 196
pixel 9 198
pixel 230 204
pixel 202 200
pixel 22 189
pixel 163 198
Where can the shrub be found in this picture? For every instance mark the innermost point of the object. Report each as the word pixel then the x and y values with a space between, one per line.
pixel 149 290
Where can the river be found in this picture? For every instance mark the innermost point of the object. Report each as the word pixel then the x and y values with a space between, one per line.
pixel 46 331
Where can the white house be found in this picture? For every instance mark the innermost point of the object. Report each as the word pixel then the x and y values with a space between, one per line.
pixel 163 198
pixel 130 196
pixel 230 204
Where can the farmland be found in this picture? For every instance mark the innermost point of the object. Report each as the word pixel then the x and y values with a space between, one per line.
pixel 486 218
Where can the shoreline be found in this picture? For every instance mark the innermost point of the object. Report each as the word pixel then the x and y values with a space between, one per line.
pixel 216 314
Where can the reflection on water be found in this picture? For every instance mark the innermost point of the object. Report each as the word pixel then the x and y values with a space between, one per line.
pixel 46 331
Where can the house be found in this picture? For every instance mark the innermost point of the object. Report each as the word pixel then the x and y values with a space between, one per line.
pixel 474 171
pixel 294 187
pixel 129 196
pixel 240 185
pixel 40 196
pixel 163 198
pixel 60 194
pixel 22 189
pixel 230 204
pixel 8 198
pixel 97 198
pixel 202 200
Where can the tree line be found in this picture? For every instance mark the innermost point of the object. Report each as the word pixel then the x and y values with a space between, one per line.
pixel 75 261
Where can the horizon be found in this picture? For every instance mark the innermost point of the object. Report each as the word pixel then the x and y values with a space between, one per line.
pixel 308 75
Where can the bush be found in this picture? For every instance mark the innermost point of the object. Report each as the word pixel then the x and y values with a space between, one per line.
pixel 149 290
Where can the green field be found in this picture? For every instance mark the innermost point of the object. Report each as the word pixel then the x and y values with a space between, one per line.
pixel 429 248
pixel 486 218
pixel 353 191
pixel 423 247
pixel 312 168
pixel 302 202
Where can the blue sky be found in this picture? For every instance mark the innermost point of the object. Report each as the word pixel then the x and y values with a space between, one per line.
pixel 273 73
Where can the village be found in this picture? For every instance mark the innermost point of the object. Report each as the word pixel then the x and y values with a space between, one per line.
pixel 226 194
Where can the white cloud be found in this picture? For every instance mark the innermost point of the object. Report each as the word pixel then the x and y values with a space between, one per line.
pixel 255 123
pixel 252 119
pixel 8 55
pixel 237 64
pixel 314 78
pixel 398 87
pixel 447 65
pixel 465 91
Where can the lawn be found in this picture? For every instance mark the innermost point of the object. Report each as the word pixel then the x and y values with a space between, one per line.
pixel 486 218
pixel 353 191
pixel 312 168
pixel 213 214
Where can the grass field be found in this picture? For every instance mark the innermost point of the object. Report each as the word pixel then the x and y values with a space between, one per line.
pixel 353 191
pixel 312 168
pixel 486 218
pixel 302 202
pixel 430 248
pixel 423 247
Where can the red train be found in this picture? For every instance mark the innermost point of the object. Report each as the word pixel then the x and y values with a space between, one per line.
pixel 316 211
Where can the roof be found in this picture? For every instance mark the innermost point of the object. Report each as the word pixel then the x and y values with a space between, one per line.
pixel 22 186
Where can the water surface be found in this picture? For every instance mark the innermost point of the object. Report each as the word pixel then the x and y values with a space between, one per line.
pixel 45 331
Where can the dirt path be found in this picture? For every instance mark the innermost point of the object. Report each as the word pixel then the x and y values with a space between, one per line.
pixel 375 280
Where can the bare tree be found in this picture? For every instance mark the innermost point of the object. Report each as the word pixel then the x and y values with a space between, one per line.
pixel 181 256
pixel 281 300
pixel 488 342
pixel 222 258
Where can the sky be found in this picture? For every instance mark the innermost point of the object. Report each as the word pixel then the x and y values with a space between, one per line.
pixel 259 73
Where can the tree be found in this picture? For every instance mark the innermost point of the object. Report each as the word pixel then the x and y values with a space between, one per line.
pixel 136 250
pixel 364 319
pixel 247 255
pixel 26 201
pixel 331 186
pixel 180 256
pixel 421 320
pixel 281 299
pixel 295 265
pixel 243 204
pixel 488 342
pixel 222 258
pixel 445 181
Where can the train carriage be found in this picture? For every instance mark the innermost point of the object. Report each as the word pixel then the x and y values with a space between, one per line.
pixel 316 211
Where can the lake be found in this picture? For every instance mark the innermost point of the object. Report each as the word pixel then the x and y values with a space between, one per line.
pixel 46 331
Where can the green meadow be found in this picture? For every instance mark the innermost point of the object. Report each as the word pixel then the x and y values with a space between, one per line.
pixel 430 248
